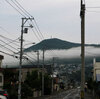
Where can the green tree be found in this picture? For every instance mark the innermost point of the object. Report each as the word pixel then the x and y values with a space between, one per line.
pixel 10 79
pixel 34 82
pixel 47 84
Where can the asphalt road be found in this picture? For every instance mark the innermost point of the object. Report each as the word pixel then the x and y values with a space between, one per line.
pixel 71 94
pixel 74 94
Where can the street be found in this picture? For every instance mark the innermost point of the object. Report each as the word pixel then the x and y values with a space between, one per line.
pixel 71 94
pixel 74 94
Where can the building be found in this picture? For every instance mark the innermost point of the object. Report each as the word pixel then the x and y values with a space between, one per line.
pixel 29 69
pixel 96 70
pixel 1 74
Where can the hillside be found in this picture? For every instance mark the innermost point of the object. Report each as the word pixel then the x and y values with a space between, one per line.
pixel 55 43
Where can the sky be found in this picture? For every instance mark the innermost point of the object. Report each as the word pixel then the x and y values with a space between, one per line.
pixel 55 19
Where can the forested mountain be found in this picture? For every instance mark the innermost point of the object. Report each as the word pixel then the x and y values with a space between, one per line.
pixel 55 43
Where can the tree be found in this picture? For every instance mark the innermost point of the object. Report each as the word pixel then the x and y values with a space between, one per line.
pixel 10 79
pixel 47 84
pixel 33 82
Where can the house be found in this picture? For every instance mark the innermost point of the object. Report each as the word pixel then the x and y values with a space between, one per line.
pixel 29 69
pixel 1 74
pixel 96 71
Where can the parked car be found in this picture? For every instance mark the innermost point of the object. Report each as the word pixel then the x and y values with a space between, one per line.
pixel 3 94
pixel 3 97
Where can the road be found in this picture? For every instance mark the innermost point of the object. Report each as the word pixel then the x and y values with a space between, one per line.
pixel 74 94
pixel 71 94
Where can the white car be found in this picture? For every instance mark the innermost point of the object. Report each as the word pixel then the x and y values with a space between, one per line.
pixel 2 97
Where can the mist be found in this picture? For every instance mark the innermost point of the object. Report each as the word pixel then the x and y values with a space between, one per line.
pixel 67 54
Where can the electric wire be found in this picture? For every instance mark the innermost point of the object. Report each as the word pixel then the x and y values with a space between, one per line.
pixel 93 7
pixel 37 31
pixel 19 8
pixel 23 8
pixel 6 44
pixel 17 11
pixel 14 8
pixel 9 45
pixel 91 53
pixel 6 53
pixel 2 28
pixel 10 40
pixel 93 11
pixel 20 13
pixel 38 28
pixel 17 56
pixel 34 21
pixel 7 48
pixel 26 13
pixel 15 49
pixel 30 57
pixel 35 34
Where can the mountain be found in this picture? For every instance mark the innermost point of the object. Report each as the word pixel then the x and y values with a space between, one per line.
pixel 55 43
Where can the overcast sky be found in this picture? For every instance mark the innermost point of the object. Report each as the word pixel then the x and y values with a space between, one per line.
pixel 55 18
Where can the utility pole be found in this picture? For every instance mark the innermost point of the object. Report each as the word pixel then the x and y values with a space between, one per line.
pixel 82 15
pixel 43 74
pixel 24 20
pixel 38 58
pixel 52 75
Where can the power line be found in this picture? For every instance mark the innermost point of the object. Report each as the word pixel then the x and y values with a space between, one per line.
pixel 6 53
pixel 24 12
pixel 14 8
pixel 19 8
pixel 23 8
pixel 41 37
pixel 29 15
pixel 93 7
pixel 7 48
pixel 16 56
pixel 35 34
pixel 11 47
pixel 9 41
pixel 39 29
pixel 93 11
pixel 8 45
pixel 91 53
pixel 19 11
